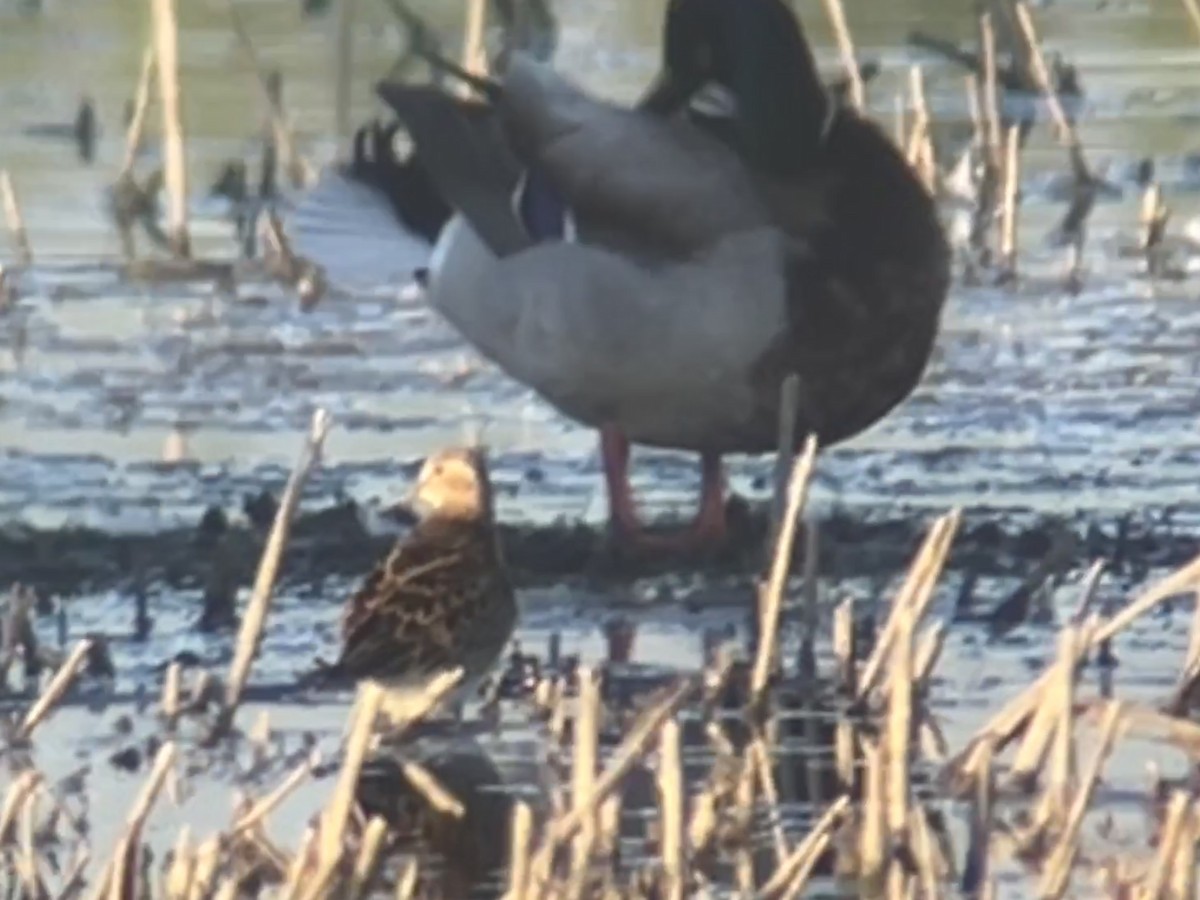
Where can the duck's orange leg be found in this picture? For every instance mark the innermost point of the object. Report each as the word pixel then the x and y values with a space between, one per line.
pixel 706 531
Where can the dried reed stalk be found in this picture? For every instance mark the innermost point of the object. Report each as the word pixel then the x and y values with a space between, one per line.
pixel 899 726
pixel 1193 12
pixel 771 595
pixel 991 90
pixel 671 811
pixel 916 593
pixel 841 31
pixel 474 54
pixel 785 452
pixel 268 804
pixel 975 866
pixel 137 124
pixel 16 222
pixel 250 633
pixel 436 794
pixel 122 869
pixel 1179 810
pixel 873 836
pixel 1014 715
pixel 1057 873
pixel 54 691
pixel 520 859
pixel 565 826
pixel 366 866
pixel 793 873
pixel 1012 186
pixel 810 599
pixel 586 760
pixel 166 43
pixel 336 816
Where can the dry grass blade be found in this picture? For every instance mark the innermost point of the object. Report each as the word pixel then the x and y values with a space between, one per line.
pixel 474 55
pixel 1193 11
pixel 899 727
pixel 772 593
pixel 1178 811
pixel 268 571
pixel 586 759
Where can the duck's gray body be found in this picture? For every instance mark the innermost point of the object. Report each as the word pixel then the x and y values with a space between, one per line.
pixel 675 286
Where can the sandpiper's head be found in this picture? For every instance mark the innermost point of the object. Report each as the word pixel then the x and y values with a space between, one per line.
pixel 453 484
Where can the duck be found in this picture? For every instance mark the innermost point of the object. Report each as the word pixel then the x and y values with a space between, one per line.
pixel 656 272
pixel 441 599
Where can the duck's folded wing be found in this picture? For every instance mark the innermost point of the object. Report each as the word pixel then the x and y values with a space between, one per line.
pixel 631 178
pixel 467 156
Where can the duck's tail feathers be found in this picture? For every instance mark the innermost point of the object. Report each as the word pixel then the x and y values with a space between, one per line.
pixel 463 147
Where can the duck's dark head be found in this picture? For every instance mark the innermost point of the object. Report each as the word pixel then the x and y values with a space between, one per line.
pixel 757 52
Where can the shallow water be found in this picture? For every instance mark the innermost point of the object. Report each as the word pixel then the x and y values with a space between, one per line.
pixel 1037 403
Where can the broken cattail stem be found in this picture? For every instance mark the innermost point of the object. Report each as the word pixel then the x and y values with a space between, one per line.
pixel 265 806
pixel 55 690
pixel 1016 712
pixel 991 93
pixel 1193 12
pixel 337 814
pixel 16 222
pixel 793 872
pixel 771 595
pixel 433 791
pixel 1058 867
pixel 873 836
pixel 566 825
pixel 121 871
pixel 344 67
pixel 587 750
pixel 519 862
pixel 474 54
pixel 916 591
pixel 1012 181
pixel 975 867
pixel 1041 73
pixel 899 726
pixel 1058 790
pixel 137 124
pixel 366 866
pixel 170 696
pixel 1178 811
pixel 811 599
pixel 671 806
pixel 268 570
pixel 841 31
pixel 166 42
pixel 785 451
